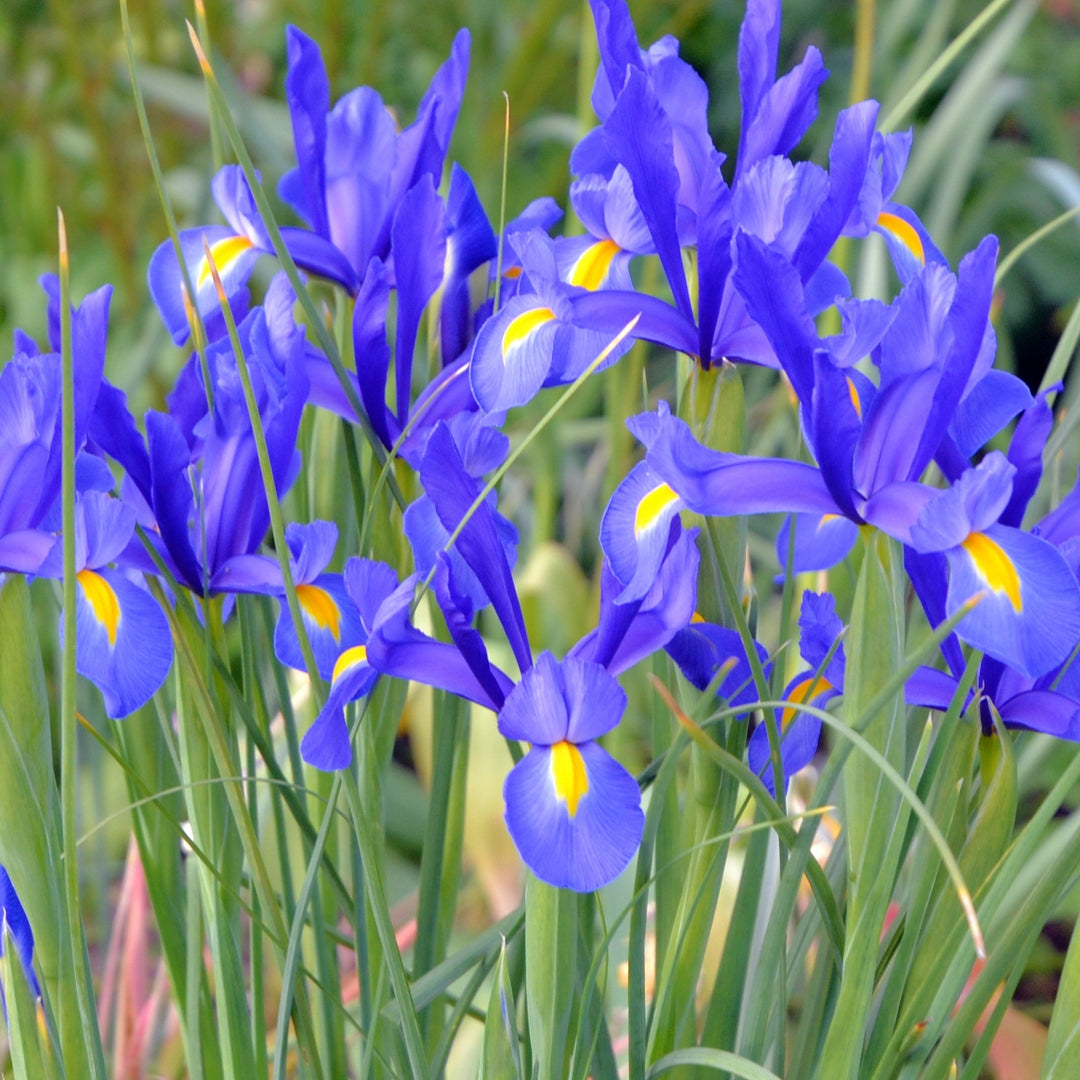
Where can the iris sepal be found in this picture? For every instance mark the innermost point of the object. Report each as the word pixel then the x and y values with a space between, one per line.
pixel 573 812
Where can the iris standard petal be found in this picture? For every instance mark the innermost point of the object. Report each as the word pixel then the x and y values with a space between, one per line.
pixel 307 91
pixel 418 243
pixel 536 710
pixel 638 134
pixel 173 503
pixel 574 814
pixel 849 157
pixel 26 551
pixel 819 629
pixel 992 402
pixel 596 702
pixel 368 584
pixel 480 541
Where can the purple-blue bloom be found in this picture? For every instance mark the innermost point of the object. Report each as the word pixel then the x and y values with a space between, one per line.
pixel 573 812
pixel 819 629
pixel 205 488
pixel 122 639
pixel 353 166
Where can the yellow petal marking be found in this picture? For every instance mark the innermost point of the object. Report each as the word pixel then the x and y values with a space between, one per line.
pixel 697 617
pixel 224 252
pixel 349 658
pixel 569 775
pixel 101 598
pixel 522 326
pixel 801 693
pixel 321 608
pixel 593 264
pixel 853 393
pixel 905 232
pixel 994 567
pixel 652 506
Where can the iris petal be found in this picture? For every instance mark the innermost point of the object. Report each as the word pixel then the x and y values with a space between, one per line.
pixel 1035 635
pixel 123 643
pixel 590 848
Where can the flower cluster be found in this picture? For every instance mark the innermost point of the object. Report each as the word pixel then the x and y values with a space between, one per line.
pixel 896 410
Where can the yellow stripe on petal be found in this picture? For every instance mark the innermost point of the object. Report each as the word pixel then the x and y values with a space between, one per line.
pixel 905 232
pixel 321 608
pixel 350 658
pixel 995 567
pixel 522 326
pixel 569 775
pixel 102 600
pixel 593 263
pixel 801 693
pixel 853 393
pixel 224 253
pixel 652 506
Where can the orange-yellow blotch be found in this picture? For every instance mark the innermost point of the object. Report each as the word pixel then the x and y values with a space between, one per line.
pixel 569 774
pixel 522 326
pixel 905 232
pixel 994 567
pixel 853 393
pixel 224 252
pixel 593 263
pixel 101 598
pixel 321 608
pixel 348 659
pixel 697 617
pixel 652 506
pixel 801 693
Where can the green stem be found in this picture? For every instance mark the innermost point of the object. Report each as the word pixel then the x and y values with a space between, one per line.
pixel 89 1056
pixel 865 14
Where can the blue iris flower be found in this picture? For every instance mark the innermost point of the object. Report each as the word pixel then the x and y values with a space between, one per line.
pixel 654 129
pixel 573 811
pixel 205 487
pixel 872 444
pixel 122 639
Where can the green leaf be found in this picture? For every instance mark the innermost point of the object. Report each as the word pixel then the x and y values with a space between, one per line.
pixel 30 1060
pixel 551 937
pixel 721 1060
pixel 1063 1038
pixel 502 1050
